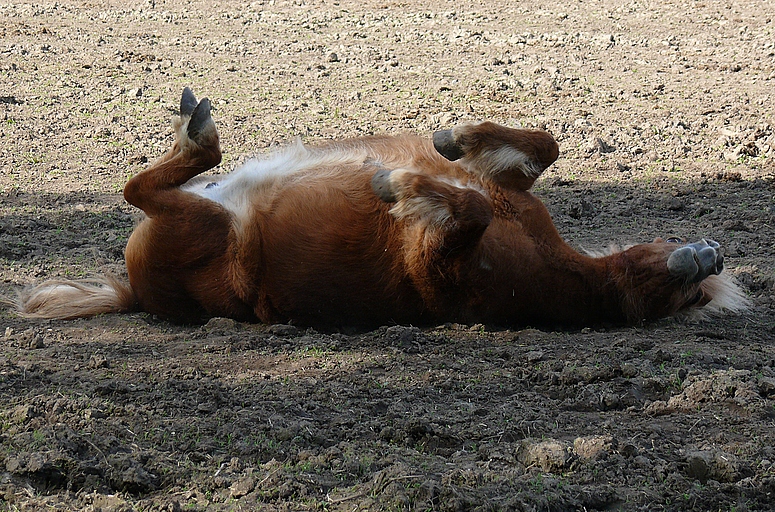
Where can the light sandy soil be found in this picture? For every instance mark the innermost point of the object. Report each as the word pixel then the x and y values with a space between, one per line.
pixel 664 113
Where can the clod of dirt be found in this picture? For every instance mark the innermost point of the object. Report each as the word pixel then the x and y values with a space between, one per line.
pixel 44 468
pixel 23 413
pixel 581 208
pixel 549 455
pixel 766 386
pixel 714 464
pixel 98 361
pixel 738 389
pixel 242 487
pixel 535 356
pixel 30 338
pixel 283 330
pixel 594 447
pixel 130 476
pixel 736 225
pixel 219 325
pixel 405 338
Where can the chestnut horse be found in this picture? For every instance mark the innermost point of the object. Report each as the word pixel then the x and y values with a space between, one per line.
pixel 377 230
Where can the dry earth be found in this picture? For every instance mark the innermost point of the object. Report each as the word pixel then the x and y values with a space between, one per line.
pixel 664 113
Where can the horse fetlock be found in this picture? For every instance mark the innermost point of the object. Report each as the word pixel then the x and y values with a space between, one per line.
pixel 395 185
pixel 418 196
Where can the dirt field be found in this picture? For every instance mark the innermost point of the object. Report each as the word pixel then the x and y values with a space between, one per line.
pixel 665 116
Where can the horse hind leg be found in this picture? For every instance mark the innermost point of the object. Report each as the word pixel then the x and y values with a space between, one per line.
pixel 511 158
pixel 196 150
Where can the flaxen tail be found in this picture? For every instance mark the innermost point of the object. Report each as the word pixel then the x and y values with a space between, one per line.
pixel 65 300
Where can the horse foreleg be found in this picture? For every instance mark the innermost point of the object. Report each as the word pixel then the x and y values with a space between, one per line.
pixel 443 223
pixel 512 158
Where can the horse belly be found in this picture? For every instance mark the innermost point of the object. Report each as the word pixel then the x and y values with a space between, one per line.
pixel 333 256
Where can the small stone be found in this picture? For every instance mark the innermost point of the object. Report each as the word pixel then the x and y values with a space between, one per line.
pixel 333 57
pixel 598 145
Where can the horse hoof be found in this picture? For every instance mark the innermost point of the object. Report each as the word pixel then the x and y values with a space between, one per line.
pixel 187 103
pixel 200 120
pixel 694 262
pixel 445 143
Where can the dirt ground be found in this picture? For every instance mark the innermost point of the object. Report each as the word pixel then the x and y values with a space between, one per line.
pixel 665 115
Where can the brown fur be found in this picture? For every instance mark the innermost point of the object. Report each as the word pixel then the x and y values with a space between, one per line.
pixel 303 237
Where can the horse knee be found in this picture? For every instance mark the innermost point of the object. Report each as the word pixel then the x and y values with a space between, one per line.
pixel 511 158
pixel 462 209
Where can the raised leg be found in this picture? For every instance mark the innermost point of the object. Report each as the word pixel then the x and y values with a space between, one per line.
pixel 195 151
pixel 179 258
pixel 511 158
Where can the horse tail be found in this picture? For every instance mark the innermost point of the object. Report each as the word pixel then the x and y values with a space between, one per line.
pixel 66 299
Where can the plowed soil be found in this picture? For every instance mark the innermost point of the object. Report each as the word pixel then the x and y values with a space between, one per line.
pixel 665 116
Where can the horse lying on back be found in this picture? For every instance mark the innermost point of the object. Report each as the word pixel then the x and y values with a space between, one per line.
pixel 377 230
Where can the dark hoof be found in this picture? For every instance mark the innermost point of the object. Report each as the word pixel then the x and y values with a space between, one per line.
pixel 187 102
pixel 445 144
pixel 200 117
pixel 694 262
pixel 380 183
